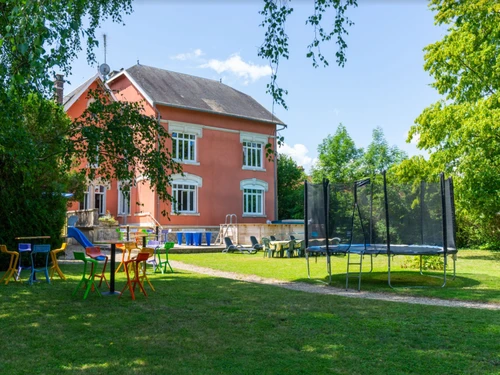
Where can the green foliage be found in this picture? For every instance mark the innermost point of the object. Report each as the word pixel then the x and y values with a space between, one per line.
pixel 39 37
pixel 123 143
pixel 275 46
pixel 341 161
pixel 461 133
pixel 31 176
pixel 339 158
pixel 39 145
pixel 290 188
pixel 428 262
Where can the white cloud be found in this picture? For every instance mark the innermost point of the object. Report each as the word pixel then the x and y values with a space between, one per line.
pixel 235 65
pixel 189 55
pixel 298 153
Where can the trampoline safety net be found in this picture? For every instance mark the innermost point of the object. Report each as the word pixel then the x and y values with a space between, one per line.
pixel 372 213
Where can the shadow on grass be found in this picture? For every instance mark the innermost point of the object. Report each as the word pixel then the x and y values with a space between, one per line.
pixel 195 324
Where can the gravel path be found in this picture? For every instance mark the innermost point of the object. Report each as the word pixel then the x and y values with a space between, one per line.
pixel 324 289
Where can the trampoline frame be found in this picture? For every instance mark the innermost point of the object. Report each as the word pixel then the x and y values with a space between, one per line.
pixel 353 249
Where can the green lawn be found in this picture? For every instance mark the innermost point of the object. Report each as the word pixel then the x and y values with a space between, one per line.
pixel 478 273
pixel 194 324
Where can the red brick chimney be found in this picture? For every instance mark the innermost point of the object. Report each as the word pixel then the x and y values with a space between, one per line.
pixel 59 84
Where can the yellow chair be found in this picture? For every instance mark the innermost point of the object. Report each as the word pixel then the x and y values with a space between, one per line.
pixel 12 270
pixel 55 265
pixel 126 248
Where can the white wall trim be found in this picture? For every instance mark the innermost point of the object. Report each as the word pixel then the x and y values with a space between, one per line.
pixel 188 178
pixel 254 137
pixel 253 183
pixel 185 127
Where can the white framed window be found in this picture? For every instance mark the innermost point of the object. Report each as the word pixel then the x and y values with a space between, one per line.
pixel 185 198
pixel 254 197
pixel 252 154
pixel 253 150
pixel 123 198
pixel 100 199
pixel 85 202
pixel 185 193
pixel 184 146
pixel 253 202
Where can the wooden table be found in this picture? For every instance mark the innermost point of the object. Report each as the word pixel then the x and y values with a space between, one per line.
pixel 112 263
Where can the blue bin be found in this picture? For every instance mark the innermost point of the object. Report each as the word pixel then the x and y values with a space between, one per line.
pixel 198 238
pixel 179 238
pixel 208 237
pixel 189 238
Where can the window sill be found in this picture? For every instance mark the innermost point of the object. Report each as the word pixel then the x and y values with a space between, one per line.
pixel 256 169
pixel 185 214
pixel 187 162
pixel 253 215
pixel 123 215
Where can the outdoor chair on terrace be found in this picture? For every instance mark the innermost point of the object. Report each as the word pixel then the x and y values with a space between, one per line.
pixel 230 247
pixel 255 244
pixel 269 249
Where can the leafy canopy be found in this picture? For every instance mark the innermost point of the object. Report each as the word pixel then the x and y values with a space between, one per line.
pixel 462 132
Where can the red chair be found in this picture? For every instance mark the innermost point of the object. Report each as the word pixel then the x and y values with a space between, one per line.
pixel 136 280
pixel 94 252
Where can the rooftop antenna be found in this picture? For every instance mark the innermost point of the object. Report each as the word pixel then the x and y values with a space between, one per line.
pixel 104 69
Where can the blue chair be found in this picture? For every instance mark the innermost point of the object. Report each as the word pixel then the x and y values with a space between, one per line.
pixel 23 248
pixel 40 253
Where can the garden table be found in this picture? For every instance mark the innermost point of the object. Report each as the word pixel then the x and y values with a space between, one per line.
pixel 112 265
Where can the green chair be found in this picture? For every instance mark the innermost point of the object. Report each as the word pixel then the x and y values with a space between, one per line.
pixel 167 246
pixel 90 280
pixel 269 249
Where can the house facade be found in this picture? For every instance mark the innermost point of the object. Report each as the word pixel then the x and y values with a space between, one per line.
pixel 218 134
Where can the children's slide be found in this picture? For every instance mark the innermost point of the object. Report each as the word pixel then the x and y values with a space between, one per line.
pixel 79 236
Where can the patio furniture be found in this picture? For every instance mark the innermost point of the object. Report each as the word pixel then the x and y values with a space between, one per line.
pixel 39 255
pixel 10 273
pixel 55 264
pixel 268 248
pixel 23 248
pixel 95 253
pixel 230 247
pixel 166 246
pixel 142 269
pixel 133 282
pixel 90 280
pixel 255 244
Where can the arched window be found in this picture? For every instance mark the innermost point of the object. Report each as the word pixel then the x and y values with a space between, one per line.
pixel 254 197
pixel 185 193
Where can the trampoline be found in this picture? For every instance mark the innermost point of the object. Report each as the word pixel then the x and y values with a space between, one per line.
pixel 373 217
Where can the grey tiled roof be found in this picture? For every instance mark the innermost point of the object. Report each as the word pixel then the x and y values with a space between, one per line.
pixel 78 91
pixel 186 91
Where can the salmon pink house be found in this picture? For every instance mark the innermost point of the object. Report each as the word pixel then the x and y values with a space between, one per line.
pixel 218 134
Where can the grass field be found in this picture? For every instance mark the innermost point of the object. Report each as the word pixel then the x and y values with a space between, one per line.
pixel 478 273
pixel 194 324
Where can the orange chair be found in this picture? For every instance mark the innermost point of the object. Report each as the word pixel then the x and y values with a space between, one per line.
pixel 94 252
pixel 136 280
pixel 55 265
pixel 129 247
pixel 12 270
pixel 143 276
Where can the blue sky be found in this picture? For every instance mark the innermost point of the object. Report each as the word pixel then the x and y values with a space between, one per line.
pixel 383 83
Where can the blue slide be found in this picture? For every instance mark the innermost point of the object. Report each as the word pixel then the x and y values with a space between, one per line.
pixel 79 236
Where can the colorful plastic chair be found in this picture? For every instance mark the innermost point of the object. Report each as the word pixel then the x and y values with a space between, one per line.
pixel 90 280
pixel 40 253
pixel 23 248
pixel 136 280
pixel 164 263
pixel 95 253
pixel 55 265
pixel 12 270
pixel 143 275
